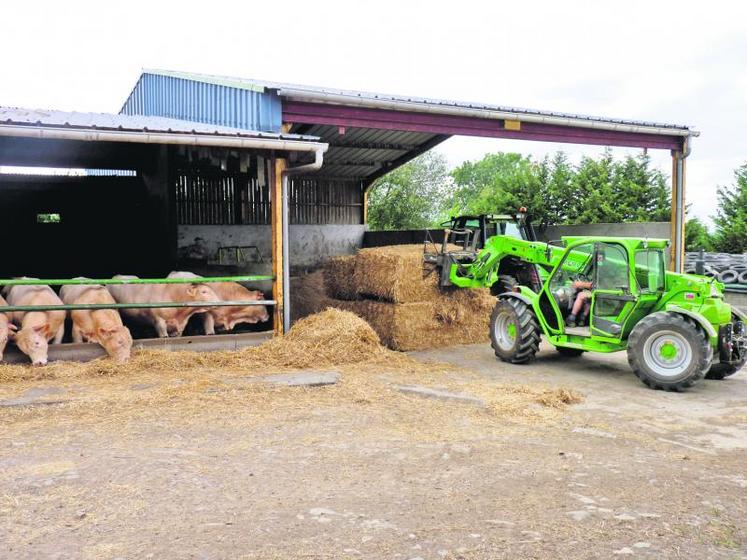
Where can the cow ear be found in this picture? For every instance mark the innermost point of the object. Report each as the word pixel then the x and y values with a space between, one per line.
pixel 192 289
pixel 12 327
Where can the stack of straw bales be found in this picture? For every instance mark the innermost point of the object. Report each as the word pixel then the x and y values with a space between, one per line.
pixel 386 287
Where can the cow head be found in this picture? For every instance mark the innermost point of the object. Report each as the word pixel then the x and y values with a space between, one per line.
pixel 32 341
pixel 228 317
pixel 117 341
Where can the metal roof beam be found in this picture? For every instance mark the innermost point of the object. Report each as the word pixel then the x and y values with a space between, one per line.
pixel 411 121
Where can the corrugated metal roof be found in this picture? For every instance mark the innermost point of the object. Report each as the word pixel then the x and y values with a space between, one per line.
pixel 130 123
pixel 361 152
pixel 288 90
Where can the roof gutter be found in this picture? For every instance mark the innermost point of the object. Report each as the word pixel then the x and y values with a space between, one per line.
pixel 176 138
pixel 425 107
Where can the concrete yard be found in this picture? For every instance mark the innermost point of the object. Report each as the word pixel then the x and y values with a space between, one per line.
pixel 381 462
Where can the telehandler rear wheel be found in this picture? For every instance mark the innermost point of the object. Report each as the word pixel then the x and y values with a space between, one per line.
pixel 514 332
pixel 667 351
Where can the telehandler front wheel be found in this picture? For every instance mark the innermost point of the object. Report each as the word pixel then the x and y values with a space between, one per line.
pixel 514 332
pixel 667 351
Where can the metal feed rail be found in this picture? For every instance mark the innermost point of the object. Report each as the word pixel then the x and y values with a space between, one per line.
pixel 152 305
pixel 105 281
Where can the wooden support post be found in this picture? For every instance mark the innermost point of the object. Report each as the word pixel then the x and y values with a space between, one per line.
pixel 365 206
pixel 278 266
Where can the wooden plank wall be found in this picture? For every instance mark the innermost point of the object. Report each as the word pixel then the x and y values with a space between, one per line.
pixel 215 197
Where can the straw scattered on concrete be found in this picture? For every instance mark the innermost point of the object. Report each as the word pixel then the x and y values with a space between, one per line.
pixel 330 338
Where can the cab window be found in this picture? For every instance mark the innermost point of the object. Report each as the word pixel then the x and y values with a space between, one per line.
pixel 649 270
pixel 577 265
pixel 612 268
pixel 512 230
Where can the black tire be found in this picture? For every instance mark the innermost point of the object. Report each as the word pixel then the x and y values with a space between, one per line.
pixel 504 283
pixel 728 276
pixel 722 371
pixel 522 346
pixel 682 336
pixel 569 352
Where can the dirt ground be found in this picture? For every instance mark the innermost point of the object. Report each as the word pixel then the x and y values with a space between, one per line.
pixel 214 464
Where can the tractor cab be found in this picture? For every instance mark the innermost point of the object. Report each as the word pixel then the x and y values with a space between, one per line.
pixel 464 237
pixel 470 232
pixel 605 285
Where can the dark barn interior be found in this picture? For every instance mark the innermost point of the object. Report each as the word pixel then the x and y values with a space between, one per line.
pixel 112 221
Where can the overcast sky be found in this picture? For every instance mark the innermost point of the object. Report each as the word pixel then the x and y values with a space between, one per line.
pixel 680 62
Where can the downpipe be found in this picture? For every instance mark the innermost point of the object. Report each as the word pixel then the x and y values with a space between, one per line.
pixel 306 168
pixel 679 209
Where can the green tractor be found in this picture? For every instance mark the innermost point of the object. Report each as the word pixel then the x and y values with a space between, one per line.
pixel 676 328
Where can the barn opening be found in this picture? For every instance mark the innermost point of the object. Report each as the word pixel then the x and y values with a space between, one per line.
pixel 97 195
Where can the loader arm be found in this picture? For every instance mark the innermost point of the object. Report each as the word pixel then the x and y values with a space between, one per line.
pixel 481 271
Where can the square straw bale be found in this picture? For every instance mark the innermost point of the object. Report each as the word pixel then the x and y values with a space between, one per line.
pixel 338 277
pixel 394 273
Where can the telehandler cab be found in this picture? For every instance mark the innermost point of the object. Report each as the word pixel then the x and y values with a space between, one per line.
pixel 676 328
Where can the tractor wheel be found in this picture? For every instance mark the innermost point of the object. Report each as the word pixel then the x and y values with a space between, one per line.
pixel 514 332
pixel 504 283
pixel 668 351
pixel 569 352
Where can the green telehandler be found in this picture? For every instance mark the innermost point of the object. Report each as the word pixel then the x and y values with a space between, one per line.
pixel 676 328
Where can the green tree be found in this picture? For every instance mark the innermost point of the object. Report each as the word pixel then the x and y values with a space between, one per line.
pixel 697 236
pixel 557 175
pixel 731 217
pixel 640 192
pixel 596 197
pixel 499 183
pixel 411 196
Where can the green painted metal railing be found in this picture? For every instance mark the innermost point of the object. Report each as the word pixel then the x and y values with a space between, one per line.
pixel 115 281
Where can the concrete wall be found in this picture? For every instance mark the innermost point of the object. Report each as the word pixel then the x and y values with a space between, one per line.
pixel 654 230
pixel 310 245
pixel 737 300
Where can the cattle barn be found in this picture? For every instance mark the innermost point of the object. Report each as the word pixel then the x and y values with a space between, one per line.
pixel 230 176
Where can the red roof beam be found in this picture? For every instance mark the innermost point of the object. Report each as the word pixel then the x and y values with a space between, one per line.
pixel 414 121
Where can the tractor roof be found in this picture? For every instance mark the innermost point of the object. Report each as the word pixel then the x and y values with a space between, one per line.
pixel 629 242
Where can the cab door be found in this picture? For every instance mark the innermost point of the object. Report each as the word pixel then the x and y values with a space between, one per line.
pixel 612 300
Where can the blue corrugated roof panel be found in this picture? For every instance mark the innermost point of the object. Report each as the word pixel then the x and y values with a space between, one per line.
pixel 223 103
